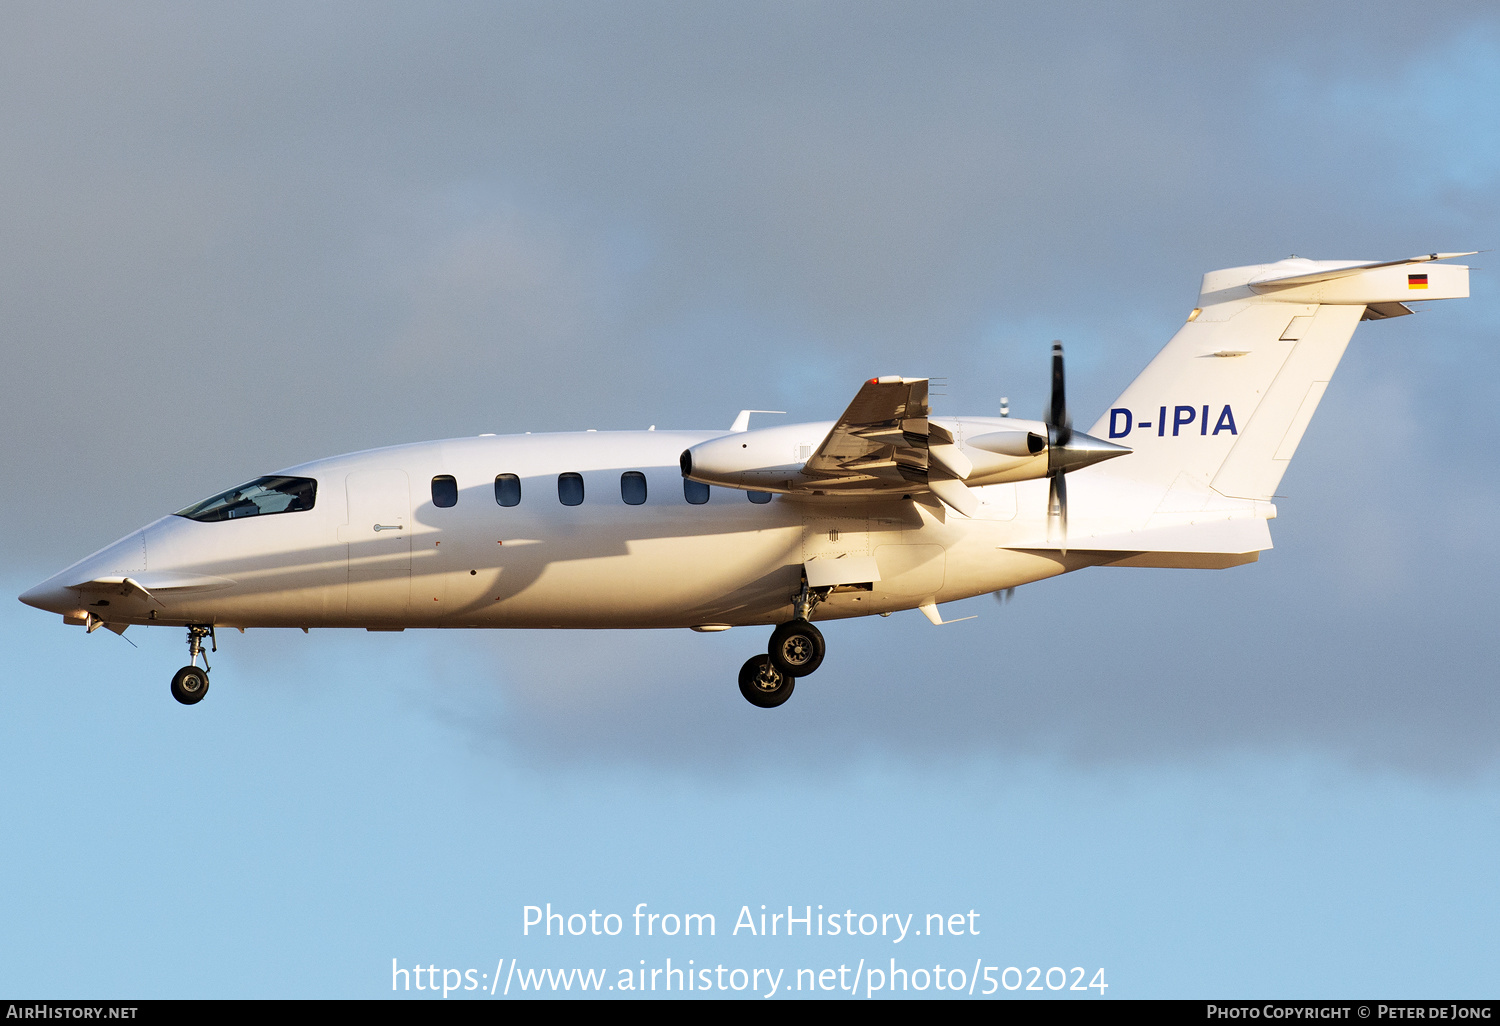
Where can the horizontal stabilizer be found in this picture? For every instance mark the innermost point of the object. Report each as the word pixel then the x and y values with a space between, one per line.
pixel 1338 269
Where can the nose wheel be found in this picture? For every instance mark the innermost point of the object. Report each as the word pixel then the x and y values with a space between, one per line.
pixel 190 684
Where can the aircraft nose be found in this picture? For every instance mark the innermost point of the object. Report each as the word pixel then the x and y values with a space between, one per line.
pixel 126 556
pixel 51 596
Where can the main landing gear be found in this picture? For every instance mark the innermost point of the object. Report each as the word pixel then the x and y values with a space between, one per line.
pixel 796 650
pixel 190 684
pixel 763 685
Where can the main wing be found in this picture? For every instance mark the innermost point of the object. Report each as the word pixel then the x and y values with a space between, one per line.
pixel 886 442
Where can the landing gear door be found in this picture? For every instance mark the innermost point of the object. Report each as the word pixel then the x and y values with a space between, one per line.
pixel 379 534
pixel 836 552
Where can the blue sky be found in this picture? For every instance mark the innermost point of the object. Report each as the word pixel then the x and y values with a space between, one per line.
pixel 237 240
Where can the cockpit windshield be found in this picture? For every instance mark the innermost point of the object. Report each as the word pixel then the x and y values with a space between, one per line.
pixel 263 495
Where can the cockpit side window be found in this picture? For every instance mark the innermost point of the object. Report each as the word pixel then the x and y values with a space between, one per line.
pixel 264 495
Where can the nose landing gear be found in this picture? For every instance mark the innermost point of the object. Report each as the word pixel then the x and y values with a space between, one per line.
pixel 190 684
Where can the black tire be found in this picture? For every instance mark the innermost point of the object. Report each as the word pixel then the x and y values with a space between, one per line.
pixel 189 685
pixel 796 648
pixel 763 685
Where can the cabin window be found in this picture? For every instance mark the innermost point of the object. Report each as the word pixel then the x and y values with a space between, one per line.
pixel 633 487
pixel 262 496
pixel 570 489
pixel 507 489
pixel 695 492
pixel 759 497
pixel 444 491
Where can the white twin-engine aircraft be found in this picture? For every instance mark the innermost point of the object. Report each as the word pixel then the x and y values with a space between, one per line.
pixel 887 508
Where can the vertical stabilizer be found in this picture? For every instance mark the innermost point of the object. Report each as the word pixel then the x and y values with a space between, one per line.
pixel 1221 409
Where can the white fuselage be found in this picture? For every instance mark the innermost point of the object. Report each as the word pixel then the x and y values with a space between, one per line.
pixel 602 563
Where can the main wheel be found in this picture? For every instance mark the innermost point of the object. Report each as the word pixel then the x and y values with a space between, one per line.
pixel 796 648
pixel 763 685
pixel 189 685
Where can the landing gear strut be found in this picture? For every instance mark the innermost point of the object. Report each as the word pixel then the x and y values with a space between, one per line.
pixel 797 646
pixel 807 600
pixel 796 650
pixel 190 684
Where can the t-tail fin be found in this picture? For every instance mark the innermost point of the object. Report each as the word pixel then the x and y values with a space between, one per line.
pixel 1222 408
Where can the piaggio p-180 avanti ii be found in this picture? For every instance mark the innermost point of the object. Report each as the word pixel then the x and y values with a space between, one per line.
pixel 887 508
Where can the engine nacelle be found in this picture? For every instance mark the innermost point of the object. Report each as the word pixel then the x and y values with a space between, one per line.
pixel 766 459
pixel 775 459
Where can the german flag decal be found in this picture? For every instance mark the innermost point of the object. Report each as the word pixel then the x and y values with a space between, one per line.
pixel 1416 281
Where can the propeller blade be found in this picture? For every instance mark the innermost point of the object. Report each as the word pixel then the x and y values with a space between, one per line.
pixel 1059 434
pixel 1057 412
pixel 1067 450
pixel 1057 505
